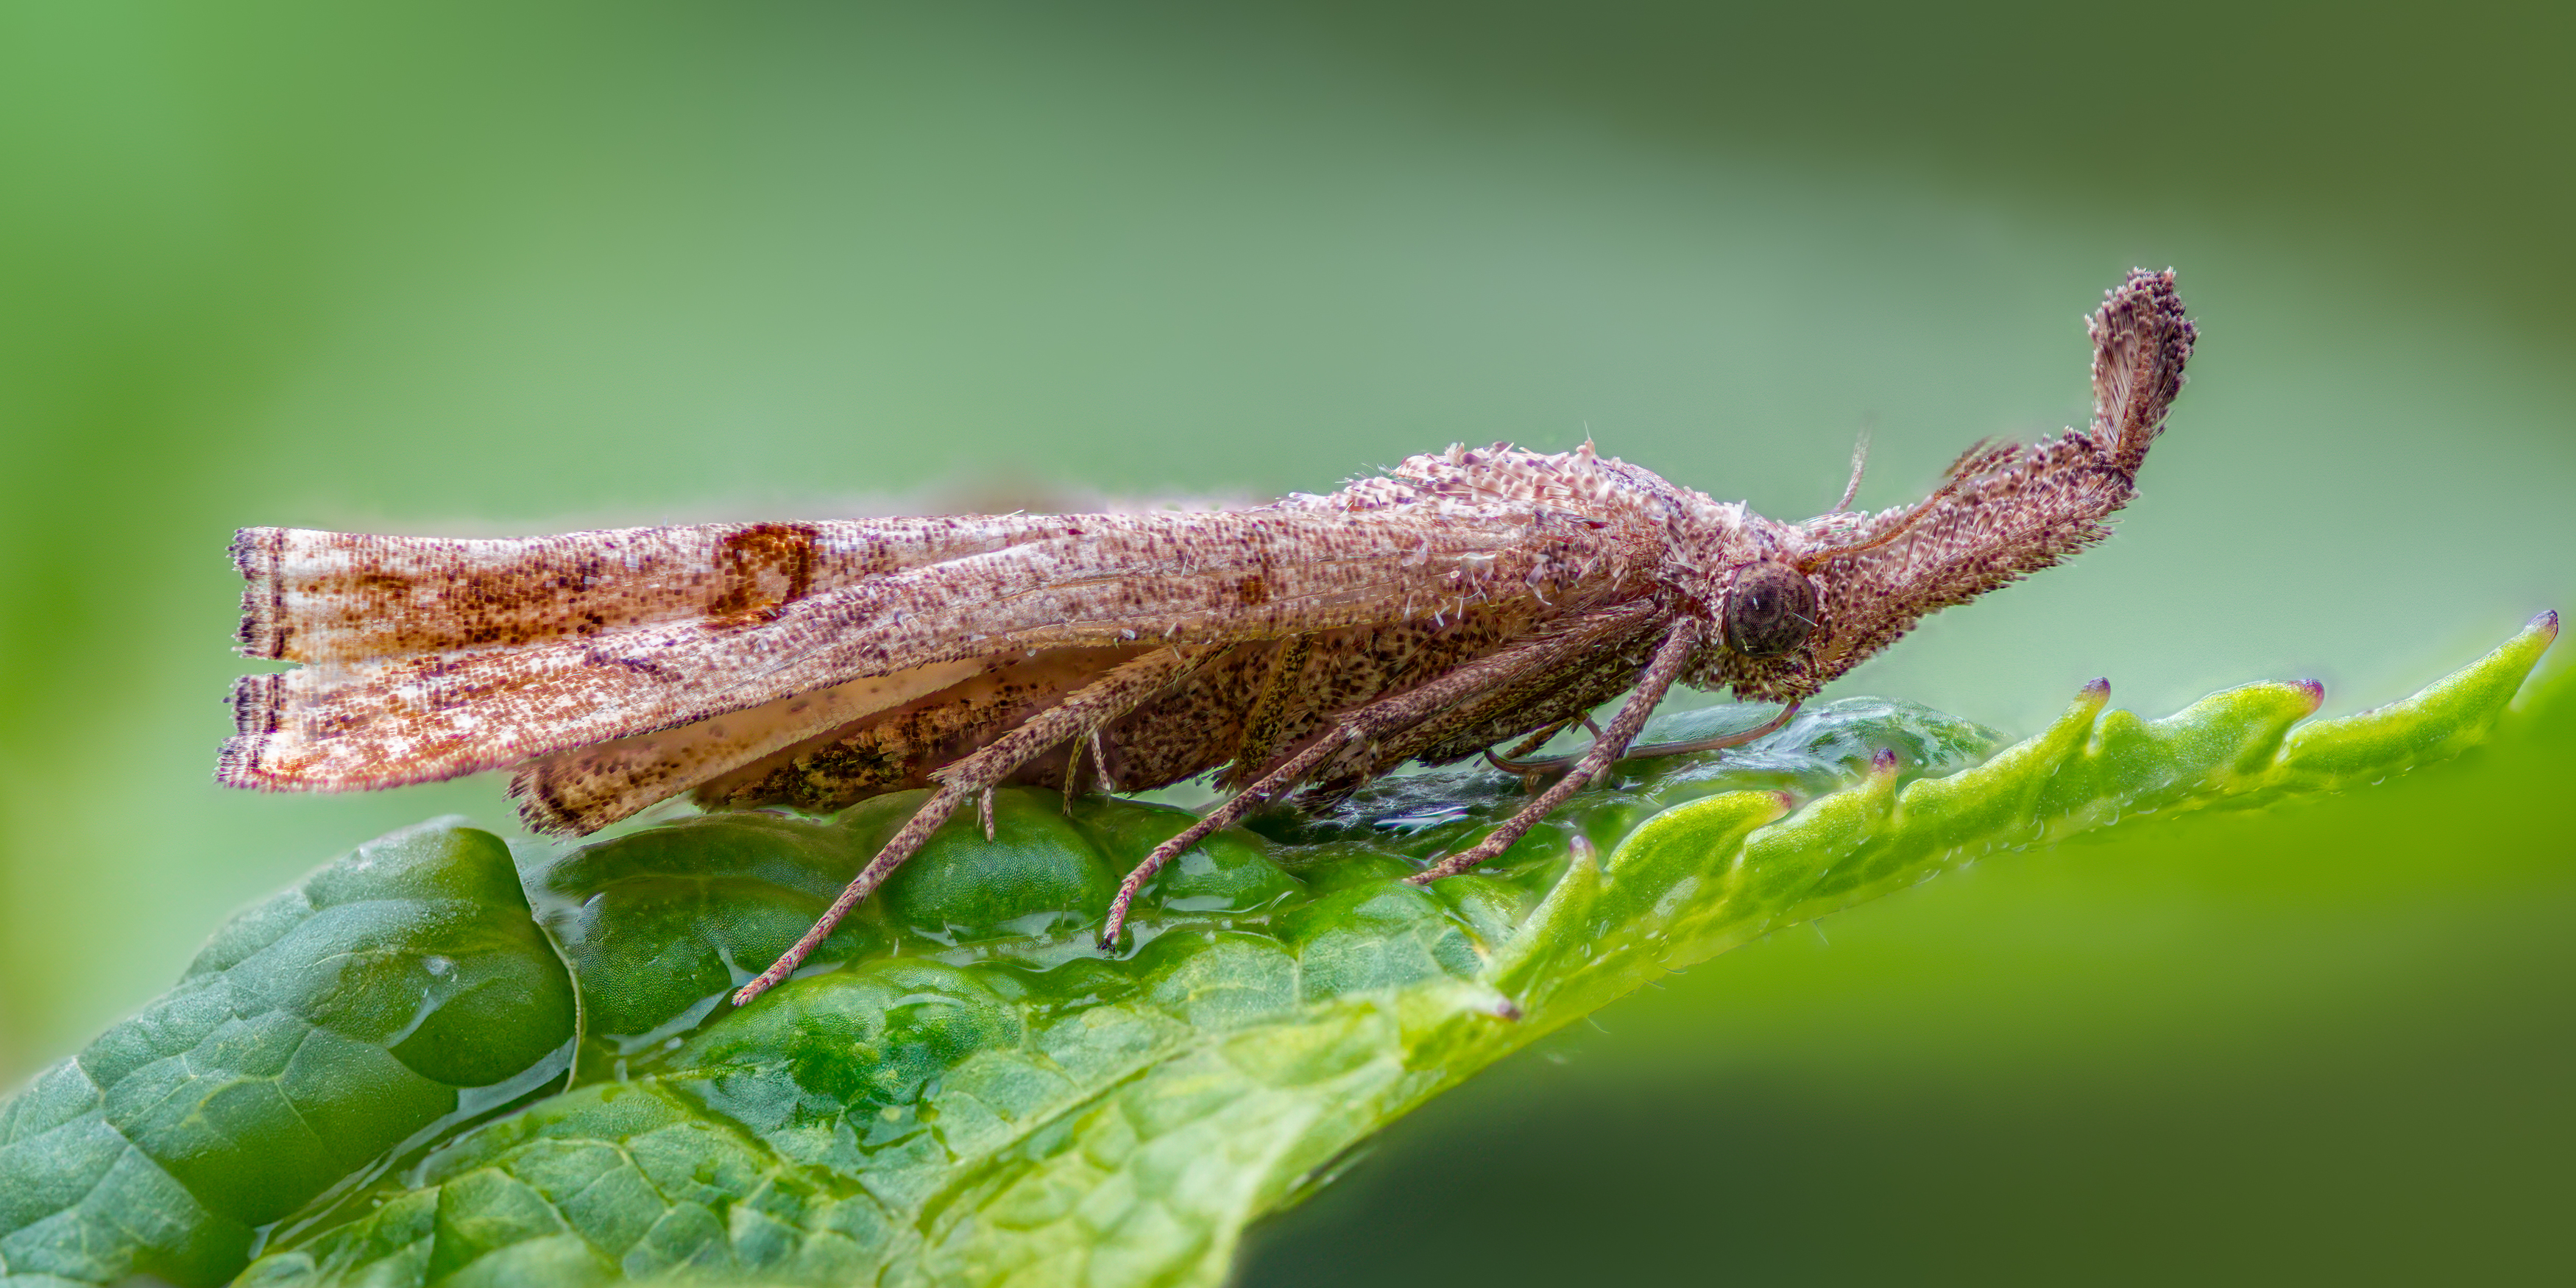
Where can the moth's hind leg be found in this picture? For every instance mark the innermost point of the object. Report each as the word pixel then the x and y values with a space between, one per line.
pixel 1670 658
pixel 1089 708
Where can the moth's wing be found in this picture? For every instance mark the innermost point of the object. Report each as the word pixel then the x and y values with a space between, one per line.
pixel 325 597
pixel 1093 580
pixel 586 788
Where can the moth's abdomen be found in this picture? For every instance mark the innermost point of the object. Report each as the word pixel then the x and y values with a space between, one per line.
pixel 1239 710
pixel 899 747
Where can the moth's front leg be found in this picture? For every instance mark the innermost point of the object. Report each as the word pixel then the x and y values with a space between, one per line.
pixel 1538 769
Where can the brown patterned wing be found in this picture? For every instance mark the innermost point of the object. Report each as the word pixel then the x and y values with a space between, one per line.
pixel 548 653
pixel 320 597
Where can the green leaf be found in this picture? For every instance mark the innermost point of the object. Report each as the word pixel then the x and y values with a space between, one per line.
pixel 963 1089
pixel 397 994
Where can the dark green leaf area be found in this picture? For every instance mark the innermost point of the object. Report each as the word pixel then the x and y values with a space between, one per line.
pixel 603 1183
pixel 859 1044
pixel 660 924
pixel 1038 875
pixel 1228 873
pixel 743 1156
pixel 313 1036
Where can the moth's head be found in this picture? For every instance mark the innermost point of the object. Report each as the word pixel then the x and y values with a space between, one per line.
pixel 1767 618
pixel 1769 611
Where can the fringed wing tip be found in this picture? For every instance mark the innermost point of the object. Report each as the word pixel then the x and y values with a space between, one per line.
pixel 256 553
pixel 237 764
pixel 258 704
pixel 255 699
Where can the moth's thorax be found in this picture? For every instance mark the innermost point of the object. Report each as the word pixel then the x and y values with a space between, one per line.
pixel 1651 536
pixel 1504 479
pixel 1604 521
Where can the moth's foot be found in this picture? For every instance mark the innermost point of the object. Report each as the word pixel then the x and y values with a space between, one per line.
pixel 1115 927
pixel 1465 859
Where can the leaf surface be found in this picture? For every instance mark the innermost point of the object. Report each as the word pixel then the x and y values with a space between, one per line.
pixel 961 1089
pixel 391 997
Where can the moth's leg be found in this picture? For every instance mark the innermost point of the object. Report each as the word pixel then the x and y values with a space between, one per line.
pixel 984 811
pixel 1080 715
pixel 1532 773
pixel 905 842
pixel 1379 719
pixel 1100 765
pixel 1072 770
pixel 1778 722
pixel 1647 751
pixel 1670 658
pixel 1528 745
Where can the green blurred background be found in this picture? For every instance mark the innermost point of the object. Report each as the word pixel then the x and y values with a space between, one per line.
pixel 475 268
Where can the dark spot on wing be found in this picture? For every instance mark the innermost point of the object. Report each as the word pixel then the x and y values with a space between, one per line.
pixel 762 568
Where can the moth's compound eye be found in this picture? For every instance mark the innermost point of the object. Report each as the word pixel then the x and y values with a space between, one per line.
pixel 1770 610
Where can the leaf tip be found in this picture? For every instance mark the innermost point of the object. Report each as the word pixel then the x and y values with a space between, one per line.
pixel 2089 700
pixel 2546 623
pixel 2316 690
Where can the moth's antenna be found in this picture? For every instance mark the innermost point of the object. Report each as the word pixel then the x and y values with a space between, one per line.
pixel 1860 462
pixel 1985 455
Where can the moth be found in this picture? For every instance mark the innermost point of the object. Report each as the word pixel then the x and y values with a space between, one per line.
pixel 1464 601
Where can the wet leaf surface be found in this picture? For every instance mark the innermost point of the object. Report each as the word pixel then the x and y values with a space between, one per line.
pixel 377 1076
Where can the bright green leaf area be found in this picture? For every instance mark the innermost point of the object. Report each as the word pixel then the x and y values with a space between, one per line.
pixel 425 1065
pixel 397 991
